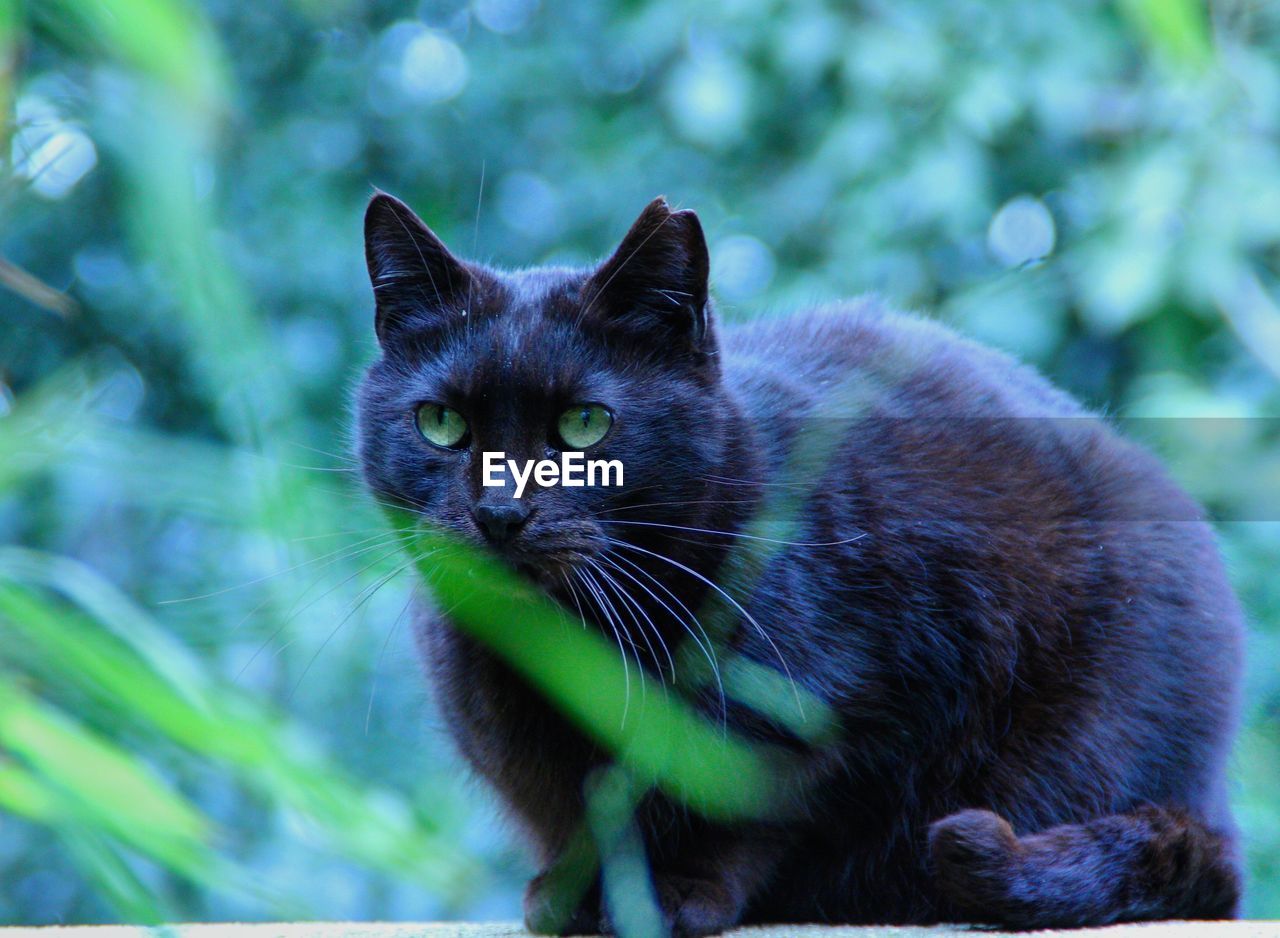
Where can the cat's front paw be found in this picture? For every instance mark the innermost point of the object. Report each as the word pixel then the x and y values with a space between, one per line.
pixel 548 911
pixel 976 860
pixel 694 907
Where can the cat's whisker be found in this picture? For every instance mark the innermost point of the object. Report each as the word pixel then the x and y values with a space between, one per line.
pixel 475 242
pixel 628 597
pixel 396 545
pixel 613 276
pixel 611 610
pixel 341 457
pixel 630 490
pixel 337 555
pixel 333 558
pixel 701 638
pixel 749 537
pixel 626 667
pixel 387 503
pixel 363 598
pixel 603 582
pixel 708 652
pixel 377 665
pixel 423 258
pixel 670 295
pixel 629 603
pixel 344 470
pixel 746 615
pixel 607 611
pixel 365 497
pixel 332 534
pixel 344 462
pixel 293 613
pixel 679 504
pixel 573 592
pixel 724 480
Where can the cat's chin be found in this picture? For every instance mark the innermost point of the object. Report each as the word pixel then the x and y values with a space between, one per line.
pixel 548 570
pixel 544 576
pixel 547 561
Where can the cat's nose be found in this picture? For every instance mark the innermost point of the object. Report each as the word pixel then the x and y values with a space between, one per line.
pixel 500 521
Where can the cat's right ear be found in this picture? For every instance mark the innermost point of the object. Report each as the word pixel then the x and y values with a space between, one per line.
pixel 417 284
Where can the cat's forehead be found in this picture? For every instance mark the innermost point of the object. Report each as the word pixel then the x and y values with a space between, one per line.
pixel 528 340
pixel 541 289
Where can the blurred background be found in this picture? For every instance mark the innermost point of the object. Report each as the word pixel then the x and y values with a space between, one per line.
pixel 209 704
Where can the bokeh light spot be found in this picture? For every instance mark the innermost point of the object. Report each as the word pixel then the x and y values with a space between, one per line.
pixel 1022 230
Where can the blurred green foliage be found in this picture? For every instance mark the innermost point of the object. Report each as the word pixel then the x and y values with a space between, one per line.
pixel 209 706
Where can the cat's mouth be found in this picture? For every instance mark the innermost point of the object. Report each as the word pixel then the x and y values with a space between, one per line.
pixel 549 568
pixel 542 574
pixel 547 551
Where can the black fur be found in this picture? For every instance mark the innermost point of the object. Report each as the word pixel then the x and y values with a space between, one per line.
pixel 1021 624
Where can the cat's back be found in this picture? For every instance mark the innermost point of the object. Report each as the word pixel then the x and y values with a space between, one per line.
pixel 864 348
pixel 1023 513
pixel 947 430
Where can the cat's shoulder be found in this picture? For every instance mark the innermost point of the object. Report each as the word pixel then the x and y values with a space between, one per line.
pixel 865 325
pixel 862 327
pixel 896 348
pixel 832 321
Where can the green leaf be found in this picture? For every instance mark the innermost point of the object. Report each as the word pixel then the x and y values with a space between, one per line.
pixel 132 899
pixel 100 775
pixel 143 678
pixel 167 40
pixel 1179 29
pixel 655 734
pixel 22 794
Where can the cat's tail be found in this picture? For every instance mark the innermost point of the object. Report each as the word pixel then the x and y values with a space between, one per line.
pixel 1152 863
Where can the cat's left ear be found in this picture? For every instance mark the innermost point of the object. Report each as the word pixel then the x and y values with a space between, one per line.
pixel 655 283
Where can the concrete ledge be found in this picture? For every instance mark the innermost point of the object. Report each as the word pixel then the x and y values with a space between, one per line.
pixel 1269 929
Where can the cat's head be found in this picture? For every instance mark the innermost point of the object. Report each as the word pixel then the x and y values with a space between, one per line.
pixel 618 362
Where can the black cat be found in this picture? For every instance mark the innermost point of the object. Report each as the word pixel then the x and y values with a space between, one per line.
pixel 1021 625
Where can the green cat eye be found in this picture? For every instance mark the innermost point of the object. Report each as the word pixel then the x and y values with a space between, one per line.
pixel 584 425
pixel 440 425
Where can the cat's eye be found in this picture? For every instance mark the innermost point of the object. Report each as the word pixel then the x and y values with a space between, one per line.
pixel 440 425
pixel 583 425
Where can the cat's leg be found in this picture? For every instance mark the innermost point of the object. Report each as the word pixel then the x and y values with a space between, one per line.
pixel 550 909
pixel 1151 863
pixel 703 892
pixel 706 888
pixel 564 899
